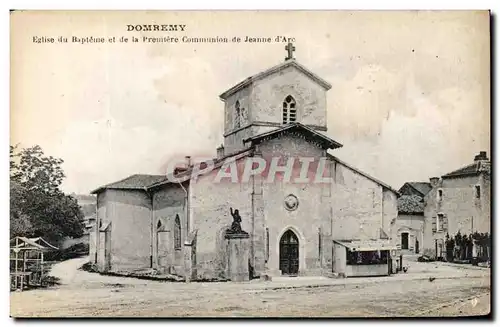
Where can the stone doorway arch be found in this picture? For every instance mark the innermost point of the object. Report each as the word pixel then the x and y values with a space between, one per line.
pixel 289 253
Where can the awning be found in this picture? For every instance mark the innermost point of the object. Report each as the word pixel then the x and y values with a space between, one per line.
pixel 368 245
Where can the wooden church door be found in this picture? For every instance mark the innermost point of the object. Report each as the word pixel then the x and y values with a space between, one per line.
pixel 289 253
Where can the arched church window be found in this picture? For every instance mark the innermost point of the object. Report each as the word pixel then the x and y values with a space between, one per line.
pixel 237 114
pixel 289 110
pixel 158 226
pixel 177 233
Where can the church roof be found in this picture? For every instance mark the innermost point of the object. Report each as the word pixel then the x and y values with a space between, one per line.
pixel 133 182
pixel 296 128
pixel 288 63
pixel 384 185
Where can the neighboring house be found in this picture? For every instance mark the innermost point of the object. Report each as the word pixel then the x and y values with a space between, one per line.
pixel 147 221
pixel 408 229
pixel 88 204
pixel 458 202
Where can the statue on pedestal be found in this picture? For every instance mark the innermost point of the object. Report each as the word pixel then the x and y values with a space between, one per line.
pixel 236 225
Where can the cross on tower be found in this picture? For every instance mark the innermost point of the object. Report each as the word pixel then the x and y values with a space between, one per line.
pixel 290 48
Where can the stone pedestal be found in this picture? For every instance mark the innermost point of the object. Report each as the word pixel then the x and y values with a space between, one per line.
pixel 190 257
pixel 238 251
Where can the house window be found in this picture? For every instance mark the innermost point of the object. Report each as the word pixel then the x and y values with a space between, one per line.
pixel 289 110
pixel 440 195
pixel 439 222
pixel 477 190
pixel 237 114
pixel 177 233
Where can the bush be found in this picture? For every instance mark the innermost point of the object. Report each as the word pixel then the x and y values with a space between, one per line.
pixel 90 267
pixel 425 258
pixel 74 251
pixel 50 281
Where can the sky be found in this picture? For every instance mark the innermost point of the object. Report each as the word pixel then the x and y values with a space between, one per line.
pixel 409 98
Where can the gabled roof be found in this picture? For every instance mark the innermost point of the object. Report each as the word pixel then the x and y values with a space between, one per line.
pixel 384 185
pixel 133 182
pixel 274 69
pixel 311 134
pixel 421 187
pixel 35 243
pixel 480 166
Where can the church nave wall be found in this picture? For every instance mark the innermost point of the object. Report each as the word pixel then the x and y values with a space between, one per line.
pixel 357 205
pixel 210 202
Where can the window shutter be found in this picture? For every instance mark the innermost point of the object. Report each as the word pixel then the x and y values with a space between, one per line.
pixel 445 223
pixel 434 227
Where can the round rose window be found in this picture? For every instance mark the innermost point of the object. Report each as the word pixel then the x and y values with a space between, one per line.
pixel 291 202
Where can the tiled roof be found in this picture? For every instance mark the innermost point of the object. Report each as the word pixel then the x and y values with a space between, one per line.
pixel 386 186
pixel 472 169
pixel 410 204
pixel 134 182
pixel 299 129
pixel 422 187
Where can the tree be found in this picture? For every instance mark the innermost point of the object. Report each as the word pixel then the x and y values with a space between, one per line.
pixel 19 222
pixel 34 171
pixel 38 206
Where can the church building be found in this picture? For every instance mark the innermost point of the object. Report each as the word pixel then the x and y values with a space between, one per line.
pixel 179 227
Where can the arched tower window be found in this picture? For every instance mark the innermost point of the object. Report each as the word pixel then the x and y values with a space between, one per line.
pixel 237 114
pixel 177 233
pixel 289 110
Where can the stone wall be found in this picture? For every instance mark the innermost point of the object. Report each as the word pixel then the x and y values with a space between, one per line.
pixel 269 93
pixel 233 135
pixel 209 212
pixel 168 202
pixel 309 220
pixel 358 205
pixel 390 210
pixel 459 204
pixel 100 217
pixel 262 102
pixel 414 226
pixel 465 212
pixel 130 214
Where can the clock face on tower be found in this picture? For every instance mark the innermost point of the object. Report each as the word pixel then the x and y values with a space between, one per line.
pixel 291 202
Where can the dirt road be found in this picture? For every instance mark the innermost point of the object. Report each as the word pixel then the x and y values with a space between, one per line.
pixel 453 292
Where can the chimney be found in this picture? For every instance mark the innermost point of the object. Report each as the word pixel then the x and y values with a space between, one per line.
pixel 481 156
pixel 220 151
pixel 434 181
pixel 183 167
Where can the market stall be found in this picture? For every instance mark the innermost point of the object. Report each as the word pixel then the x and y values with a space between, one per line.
pixel 27 262
pixel 362 257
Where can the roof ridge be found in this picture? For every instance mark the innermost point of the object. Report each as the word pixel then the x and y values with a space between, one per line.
pixel 332 143
pixel 359 171
pixel 267 72
pixel 458 171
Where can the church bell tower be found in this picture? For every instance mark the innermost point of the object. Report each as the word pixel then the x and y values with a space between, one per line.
pixel 283 94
